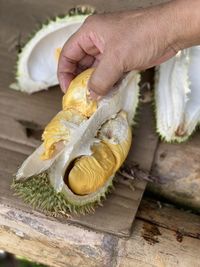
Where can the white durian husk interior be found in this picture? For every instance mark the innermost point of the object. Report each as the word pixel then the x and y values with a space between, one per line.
pixel 177 95
pixel 124 97
pixel 37 63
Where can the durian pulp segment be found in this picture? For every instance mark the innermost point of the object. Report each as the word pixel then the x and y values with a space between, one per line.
pixel 59 129
pixel 76 108
pixel 77 95
pixel 37 63
pixel 117 135
pixel 177 95
pixel 89 173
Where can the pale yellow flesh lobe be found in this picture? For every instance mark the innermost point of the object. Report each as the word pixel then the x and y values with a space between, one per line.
pixel 120 151
pixel 57 130
pixel 91 172
pixel 77 107
pixel 77 95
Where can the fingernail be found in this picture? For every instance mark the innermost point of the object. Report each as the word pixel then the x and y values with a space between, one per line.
pixel 94 96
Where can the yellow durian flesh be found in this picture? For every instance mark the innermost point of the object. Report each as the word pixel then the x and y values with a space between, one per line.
pixel 120 151
pixel 117 135
pixel 89 173
pixel 77 95
pixel 58 130
pixel 77 107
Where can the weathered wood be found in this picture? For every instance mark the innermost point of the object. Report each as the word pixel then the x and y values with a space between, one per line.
pixel 59 244
pixel 119 210
pixel 155 246
pixel 162 236
pixel 145 138
pixel 51 242
pixel 179 172
pixel 183 223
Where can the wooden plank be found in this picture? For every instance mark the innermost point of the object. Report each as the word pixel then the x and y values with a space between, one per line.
pixel 183 223
pixel 142 154
pixel 177 166
pixel 152 246
pixel 119 210
pixel 51 242
pixel 16 132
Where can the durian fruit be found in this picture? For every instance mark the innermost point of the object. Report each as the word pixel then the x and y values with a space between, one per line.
pixel 177 95
pixel 37 62
pixel 83 147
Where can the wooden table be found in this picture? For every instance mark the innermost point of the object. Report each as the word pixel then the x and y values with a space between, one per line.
pixel 110 237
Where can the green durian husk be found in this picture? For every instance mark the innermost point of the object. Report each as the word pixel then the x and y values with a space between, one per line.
pixel 40 195
pixel 79 10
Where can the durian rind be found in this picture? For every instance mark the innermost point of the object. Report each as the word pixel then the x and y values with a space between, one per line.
pixel 24 82
pixel 38 192
pixel 80 144
pixel 177 96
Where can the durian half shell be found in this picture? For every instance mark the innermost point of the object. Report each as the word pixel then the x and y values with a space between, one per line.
pixel 177 95
pixel 109 123
pixel 37 62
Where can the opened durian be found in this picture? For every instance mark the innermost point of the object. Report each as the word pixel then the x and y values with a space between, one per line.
pixel 177 95
pixel 37 62
pixel 83 147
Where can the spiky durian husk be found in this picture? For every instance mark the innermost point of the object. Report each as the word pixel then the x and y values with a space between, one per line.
pixel 80 11
pixel 177 105
pixel 40 194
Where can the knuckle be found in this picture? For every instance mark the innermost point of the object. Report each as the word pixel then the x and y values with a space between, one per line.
pixel 92 19
pixel 89 20
pixel 97 86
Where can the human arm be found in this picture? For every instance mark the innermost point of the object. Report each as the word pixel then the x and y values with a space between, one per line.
pixel 119 42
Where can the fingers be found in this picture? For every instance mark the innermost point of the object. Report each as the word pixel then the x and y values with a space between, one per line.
pixel 85 63
pixel 71 54
pixel 78 53
pixel 106 74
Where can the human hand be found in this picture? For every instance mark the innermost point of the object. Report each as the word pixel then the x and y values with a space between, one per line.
pixel 116 43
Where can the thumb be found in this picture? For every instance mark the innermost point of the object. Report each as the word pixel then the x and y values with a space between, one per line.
pixel 106 74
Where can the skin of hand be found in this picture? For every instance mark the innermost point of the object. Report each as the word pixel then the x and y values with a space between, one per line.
pixel 117 43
